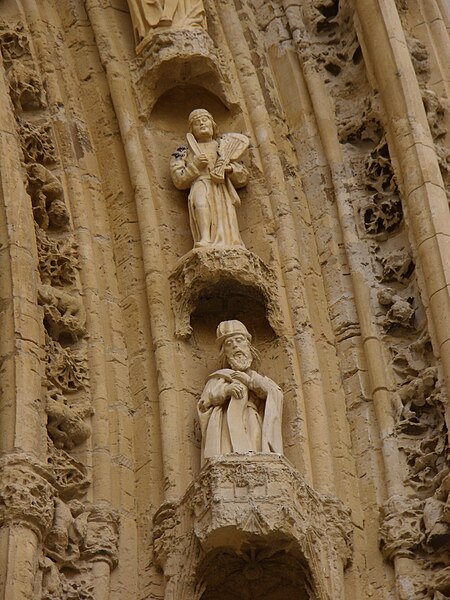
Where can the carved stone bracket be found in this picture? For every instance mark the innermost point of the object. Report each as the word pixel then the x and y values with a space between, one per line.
pixel 26 493
pixel 242 501
pixel 201 269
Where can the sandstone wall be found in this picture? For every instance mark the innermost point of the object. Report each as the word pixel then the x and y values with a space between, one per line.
pixel 108 319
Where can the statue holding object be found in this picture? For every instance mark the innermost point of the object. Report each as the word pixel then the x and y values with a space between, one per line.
pixel 209 166
pixel 239 409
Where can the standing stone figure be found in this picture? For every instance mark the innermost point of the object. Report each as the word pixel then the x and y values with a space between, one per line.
pixel 239 409
pixel 208 166
pixel 179 14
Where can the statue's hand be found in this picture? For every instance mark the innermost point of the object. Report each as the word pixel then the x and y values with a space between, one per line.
pixel 235 390
pixel 200 161
pixel 241 377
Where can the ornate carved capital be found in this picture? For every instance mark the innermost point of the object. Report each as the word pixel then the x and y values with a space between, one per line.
pixel 200 269
pixel 101 535
pixel 26 494
pixel 401 532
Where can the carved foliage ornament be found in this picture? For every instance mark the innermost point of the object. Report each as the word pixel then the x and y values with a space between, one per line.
pixel 26 494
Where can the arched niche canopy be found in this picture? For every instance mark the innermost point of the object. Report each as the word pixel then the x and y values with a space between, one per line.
pixel 181 57
pixel 232 282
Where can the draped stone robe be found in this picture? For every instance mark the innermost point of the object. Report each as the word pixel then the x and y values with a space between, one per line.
pixel 251 423
pixel 221 198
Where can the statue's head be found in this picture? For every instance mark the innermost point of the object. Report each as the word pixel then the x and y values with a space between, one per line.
pixel 236 350
pixel 202 125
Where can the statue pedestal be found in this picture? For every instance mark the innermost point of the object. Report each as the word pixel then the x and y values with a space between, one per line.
pixel 202 269
pixel 170 57
pixel 250 505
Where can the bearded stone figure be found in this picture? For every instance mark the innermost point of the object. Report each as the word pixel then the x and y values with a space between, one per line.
pixel 179 14
pixel 208 166
pixel 239 409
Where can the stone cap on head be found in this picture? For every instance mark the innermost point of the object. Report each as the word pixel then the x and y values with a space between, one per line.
pixel 227 328
pixel 199 112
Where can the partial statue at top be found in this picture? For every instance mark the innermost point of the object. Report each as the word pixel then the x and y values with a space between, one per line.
pixel 239 409
pixel 208 166
pixel 147 15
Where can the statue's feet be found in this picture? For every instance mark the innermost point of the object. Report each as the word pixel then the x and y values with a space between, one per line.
pixel 202 244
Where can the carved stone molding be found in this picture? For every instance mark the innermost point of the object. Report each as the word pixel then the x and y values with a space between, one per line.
pixel 241 501
pixel 26 493
pixel 201 269
pixel 400 531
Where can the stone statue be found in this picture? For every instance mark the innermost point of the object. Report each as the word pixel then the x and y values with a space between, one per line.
pixel 239 409
pixel 208 166
pixel 179 14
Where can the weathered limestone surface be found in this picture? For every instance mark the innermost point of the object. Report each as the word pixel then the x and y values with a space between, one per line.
pixel 304 217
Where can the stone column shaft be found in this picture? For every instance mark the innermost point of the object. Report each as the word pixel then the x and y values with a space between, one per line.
pixel 425 199
pixel 314 403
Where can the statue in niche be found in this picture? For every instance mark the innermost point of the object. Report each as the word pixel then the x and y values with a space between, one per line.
pixel 208 166
pixel 239 409
pixel 147 15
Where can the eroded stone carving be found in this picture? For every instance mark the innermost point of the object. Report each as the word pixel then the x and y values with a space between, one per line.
pixel 239 409
pixel 400 531
pixel 47 198
pixel 80 533
pixel 25 88
pixel 37 142
pixel 261 504
pixel 383 213
pixel 66 368
pixel 397 266
pixel 201 269
pixel 401 312
pixel 147 15
pixel 14 43
pixel 58 259
pixel 64 316
pixel 68 584
pixel 413 397
pixel 26 494
pixel 209 166
pixel 70 476
pixel 66 423
pixel 99 527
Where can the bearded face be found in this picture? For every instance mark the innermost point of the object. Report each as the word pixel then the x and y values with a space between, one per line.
pixel 238 353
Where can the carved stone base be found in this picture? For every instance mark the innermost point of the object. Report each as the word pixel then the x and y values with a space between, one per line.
pixel 247 506
pixel 201 269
